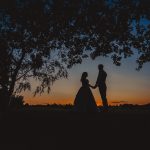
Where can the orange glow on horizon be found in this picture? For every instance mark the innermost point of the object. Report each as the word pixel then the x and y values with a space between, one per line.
pixel 67 101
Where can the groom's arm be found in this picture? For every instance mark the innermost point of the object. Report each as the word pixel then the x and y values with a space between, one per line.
pixel 95 86
pixel 97 81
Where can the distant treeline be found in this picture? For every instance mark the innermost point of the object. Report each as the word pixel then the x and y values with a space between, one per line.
pixel 69 106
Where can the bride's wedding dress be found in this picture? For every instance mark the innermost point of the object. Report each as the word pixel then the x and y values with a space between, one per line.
pixel 84 100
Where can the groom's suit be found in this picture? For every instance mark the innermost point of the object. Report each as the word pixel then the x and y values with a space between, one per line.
pixel 101 79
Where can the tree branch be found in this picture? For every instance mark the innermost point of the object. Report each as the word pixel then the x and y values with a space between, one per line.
pixel 24 74
pixel 11 89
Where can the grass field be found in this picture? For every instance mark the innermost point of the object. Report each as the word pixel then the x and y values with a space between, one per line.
pixel 41 128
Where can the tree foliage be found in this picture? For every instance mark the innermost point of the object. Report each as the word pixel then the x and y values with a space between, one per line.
pixel 43 38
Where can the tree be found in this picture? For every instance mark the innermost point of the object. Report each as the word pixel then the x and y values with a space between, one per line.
pixel 43 38
pixel 26 53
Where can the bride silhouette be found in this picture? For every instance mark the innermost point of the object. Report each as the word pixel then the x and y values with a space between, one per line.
pixel 84 100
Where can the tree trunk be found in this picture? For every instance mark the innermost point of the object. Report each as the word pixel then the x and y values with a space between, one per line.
pixel 14 77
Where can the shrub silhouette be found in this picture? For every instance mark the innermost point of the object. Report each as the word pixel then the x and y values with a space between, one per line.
pixel 16 102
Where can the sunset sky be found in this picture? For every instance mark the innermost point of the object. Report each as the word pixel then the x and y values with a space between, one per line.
pixel 125 84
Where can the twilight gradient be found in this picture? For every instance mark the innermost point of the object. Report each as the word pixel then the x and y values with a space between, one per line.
pixel 125 84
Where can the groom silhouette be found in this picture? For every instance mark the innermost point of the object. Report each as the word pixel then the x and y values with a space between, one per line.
pixel 100 83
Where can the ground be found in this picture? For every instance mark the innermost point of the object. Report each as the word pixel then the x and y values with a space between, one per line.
pixel 50 130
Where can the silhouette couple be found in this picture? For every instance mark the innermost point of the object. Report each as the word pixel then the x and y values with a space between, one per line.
pixel 84 100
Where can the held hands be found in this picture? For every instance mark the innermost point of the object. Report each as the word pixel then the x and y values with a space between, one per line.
pixel 93 87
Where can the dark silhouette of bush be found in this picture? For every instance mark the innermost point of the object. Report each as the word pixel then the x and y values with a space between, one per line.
pixel 16 102
pixel 4 99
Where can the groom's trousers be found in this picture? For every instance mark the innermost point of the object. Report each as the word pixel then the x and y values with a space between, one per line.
pixel 102 90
